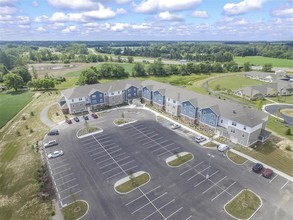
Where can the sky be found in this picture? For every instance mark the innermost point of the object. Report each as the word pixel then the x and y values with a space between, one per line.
pixel 175 20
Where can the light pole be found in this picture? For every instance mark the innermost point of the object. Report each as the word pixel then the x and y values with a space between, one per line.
pixel 210 157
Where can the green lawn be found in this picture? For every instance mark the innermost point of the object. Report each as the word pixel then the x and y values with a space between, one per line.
pixel 232 82
pixel 236 158
pixel 259 61
pixel 180 160
pixel 133 183
pixel 279 127
pixel 283 99
pixel 270 154
pixel 11 103
pixel 75 210
pixel 243 205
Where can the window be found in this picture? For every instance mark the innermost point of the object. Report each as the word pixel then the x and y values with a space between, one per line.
pixel 233 131
pixel 93 96
pixel 243 135
pixel 221 120
pixel 174 101
pixel 101 100
pixel 73 106
pixel 101 95
pixel 134 89
pixel 80 99
pixel 168 99
pixel 129 95
pixel 234 123
pixel 105 94
pixel 72 100
pixel 118 92
pixel 244 127
pixel 129 90
pixel 203 112
pixel 134 94
pixel 112 93
pixel 212 116
pixel 81 104
pixel 212 122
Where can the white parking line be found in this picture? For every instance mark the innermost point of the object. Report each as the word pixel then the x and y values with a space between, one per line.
pixel 110 170
pixel 284 185
pixel 198 172
pixel 153 151
pixel 66 197
pixel 161 154
pixel 205 179
pixel 63 176
pixel 188 217
pixel 114 151
pixel 103 161
pixel 120 172
pixel 174 149
pixel 148 203
pixel 68 188
pixel 66 182
pixel 119 155
pixel 273 178
pixel 223 192
pixel 55 168
pixel 142 196
pixel 168 145
pixel 127 163
pixel 97 153
pixel 107 141
pixel 191 168
pixel 89 151
pixel 155 135
pixel 107 165
pixel 174 213
pixel 130 168
pixel 96 158
pixel 214 185
pixel 62 171
pixel 260 175
pixel 146 143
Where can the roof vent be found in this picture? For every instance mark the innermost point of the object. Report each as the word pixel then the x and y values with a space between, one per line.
pixel 234 112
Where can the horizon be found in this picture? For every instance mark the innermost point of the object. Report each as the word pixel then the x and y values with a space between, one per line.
pixel 147 20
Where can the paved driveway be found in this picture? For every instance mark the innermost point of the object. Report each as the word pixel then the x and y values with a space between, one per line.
pixel 274 109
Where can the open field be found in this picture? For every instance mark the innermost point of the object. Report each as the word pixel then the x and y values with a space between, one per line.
pixel 232 82
pixel 259 61
pixel 19 163
pixel 11 103
pixel 283 99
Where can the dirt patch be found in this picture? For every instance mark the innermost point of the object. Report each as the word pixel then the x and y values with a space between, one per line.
pixel 58 69
pixel 287 111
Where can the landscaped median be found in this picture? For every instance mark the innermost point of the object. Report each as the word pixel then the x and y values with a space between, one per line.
pixel 244 205
pixel 235 158
pixel 179 159
pixel 75 210
pixel 131 182
pixel 122 121
pixel 89 130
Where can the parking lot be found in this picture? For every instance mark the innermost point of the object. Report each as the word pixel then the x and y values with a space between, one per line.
pixel 90 167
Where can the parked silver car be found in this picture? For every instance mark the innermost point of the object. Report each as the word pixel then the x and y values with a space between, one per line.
pixel 50 143
pixel 175 126
pixel 56 153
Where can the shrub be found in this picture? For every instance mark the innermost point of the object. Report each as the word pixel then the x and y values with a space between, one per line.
pixel 23 117
pixel 32 113
pixel 288 131
pixel 289 148
pixel 57 113
pixel 18 133
pixel 31 130
pixel 26 126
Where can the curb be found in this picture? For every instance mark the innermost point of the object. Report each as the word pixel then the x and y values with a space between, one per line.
pixel 121 125
pixel 252 213
pixel 89 134
pixel 125 179
pixel 170 159
pixel 88 207
pixel 233 161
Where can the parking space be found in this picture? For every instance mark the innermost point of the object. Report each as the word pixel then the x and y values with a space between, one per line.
pixel 65 182
pixel 112 161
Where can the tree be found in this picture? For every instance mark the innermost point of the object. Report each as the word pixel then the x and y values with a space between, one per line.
pixel 105 70
pixel 288 131
pixel 23 72
pixel 88 76
pixel 267 67
pixel 138 70
pixel 12 80
pixel 246 67
pixel 130 59
pixel 259 104
pixel 35 74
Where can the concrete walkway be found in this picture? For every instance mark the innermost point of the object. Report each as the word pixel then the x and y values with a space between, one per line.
pixel 44 117
pixel 58 213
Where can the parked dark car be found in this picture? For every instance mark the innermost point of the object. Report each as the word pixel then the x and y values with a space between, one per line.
pixel 94 115
pixel 86 117
pixel 267 173
pixel 257 168
pixel 53 132
pixel 76 119
pixel 68 121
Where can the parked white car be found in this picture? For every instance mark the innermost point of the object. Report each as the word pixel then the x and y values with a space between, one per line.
pixel 222 147
pixel 199 139
pixel 50 143
pixel 56 153
pixel 175 126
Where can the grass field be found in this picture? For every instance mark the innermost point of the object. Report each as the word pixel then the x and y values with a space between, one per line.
pixel 19 163
pixel 232 82
pixel 269 153
pixel 75 210
pixel 11 103
pixel 283 99
pixel 279 127
pixel 133 183
pixel 260 61
pixel 236 158
pixel 243 205
pixel 180 160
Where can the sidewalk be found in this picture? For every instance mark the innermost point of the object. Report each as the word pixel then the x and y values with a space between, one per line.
pixel 58 213
pixel 232 150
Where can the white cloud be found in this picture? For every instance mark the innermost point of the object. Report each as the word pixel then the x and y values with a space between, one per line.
pixel 5 18
pixel 140 26
pixel 74 4
pixel 286 12
pixel 200 14
pixel 70 17
pixel 35 4
pixel 151 6
pixel 5 10
pixel 102 13
pixel 43 18
pixel 40 29
pixel 8 2
pixel 24 20
pixel 122 1
pixel 243 6
pixel 166 16
pixel 69 29
pixel 119 26
pixel 121 11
